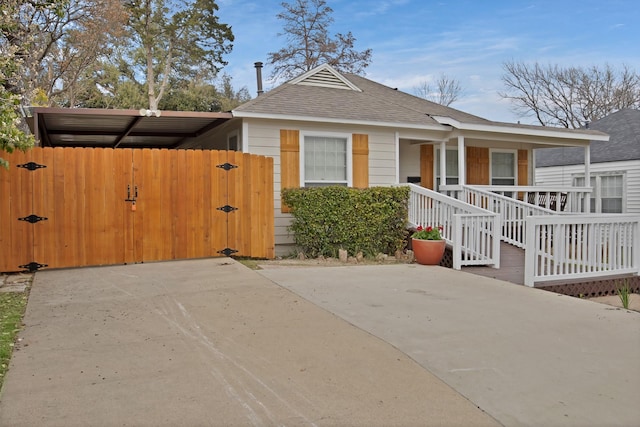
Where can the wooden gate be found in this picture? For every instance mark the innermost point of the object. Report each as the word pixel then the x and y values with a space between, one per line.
pixel 70 207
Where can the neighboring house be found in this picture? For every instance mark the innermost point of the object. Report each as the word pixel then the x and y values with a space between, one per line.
pixel 325 127
pixel 615 165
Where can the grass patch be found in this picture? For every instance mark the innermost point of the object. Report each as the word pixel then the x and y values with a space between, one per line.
pixel 623 292
pixel 12 307
pixel 253 264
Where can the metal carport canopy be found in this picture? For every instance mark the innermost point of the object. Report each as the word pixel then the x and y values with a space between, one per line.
pixel 110 128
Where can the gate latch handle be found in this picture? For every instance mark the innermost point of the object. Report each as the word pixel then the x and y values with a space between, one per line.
pixel 135 194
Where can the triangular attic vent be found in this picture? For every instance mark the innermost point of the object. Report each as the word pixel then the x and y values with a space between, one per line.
pixel 325 76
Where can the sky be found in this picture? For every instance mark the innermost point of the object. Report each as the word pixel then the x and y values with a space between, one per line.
pixel 417 41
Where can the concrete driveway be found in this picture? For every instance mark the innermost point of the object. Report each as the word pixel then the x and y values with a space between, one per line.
pixel 212 343
pixel 525 356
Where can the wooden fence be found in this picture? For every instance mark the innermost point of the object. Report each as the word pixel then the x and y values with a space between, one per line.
pixel 69 207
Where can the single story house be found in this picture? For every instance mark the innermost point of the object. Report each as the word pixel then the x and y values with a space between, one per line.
pixel 615 165
pixel 325 127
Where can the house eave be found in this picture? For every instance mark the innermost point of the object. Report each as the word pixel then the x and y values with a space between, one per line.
pixel 541 132
pixel 245 114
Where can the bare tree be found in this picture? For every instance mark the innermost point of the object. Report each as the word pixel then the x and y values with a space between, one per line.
pixel 569 97
pixel 306 24
pixel 445 92
pixel 99 26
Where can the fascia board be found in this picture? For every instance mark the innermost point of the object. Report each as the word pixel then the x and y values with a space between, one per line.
pixel 542 132
pixel 243 114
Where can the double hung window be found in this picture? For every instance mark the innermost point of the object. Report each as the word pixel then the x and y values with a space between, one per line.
pixel 503 168
pixel 608 192
pixel 325 160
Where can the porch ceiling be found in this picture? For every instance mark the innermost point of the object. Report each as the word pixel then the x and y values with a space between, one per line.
pixel 88 127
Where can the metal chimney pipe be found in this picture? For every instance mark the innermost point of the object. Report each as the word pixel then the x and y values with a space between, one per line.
pixel 258 66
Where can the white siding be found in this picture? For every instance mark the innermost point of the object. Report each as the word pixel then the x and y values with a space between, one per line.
pixel 563 176
pixel 409 159
pixel 264 139
pixel 217 138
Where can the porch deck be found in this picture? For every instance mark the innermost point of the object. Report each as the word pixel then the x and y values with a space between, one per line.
pixel 511 266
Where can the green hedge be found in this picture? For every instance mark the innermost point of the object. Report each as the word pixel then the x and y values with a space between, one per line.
pixel 326 219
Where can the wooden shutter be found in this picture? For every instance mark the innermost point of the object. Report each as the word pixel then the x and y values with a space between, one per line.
pixel 360 152
pixel 289 161
pixel 426 166
pixel 478 166
pixel 523 167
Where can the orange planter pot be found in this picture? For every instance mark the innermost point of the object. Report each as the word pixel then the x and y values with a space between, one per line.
pixel 428 252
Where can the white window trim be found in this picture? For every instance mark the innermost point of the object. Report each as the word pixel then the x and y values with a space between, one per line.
pixel 436 164
pixel 515 163
pixel 597 190
pixel 322 134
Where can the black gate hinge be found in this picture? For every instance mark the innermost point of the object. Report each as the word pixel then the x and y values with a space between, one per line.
pixel 33 218
pixel 226 166
pixel 227 251
pixel 33 266
pixel 31 166
pixel 227 208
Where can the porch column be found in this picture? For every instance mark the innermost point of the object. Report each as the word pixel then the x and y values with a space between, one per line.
pixel 443 164
pixel 462 168
pixel 533 167
pixel 587 177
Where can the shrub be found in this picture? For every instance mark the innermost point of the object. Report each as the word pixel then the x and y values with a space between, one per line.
pixel 326 219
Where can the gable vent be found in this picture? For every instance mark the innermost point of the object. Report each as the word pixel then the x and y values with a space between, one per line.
pixel 325 76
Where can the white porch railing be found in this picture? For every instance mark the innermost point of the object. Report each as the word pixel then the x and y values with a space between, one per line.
pixel 581 246
pixel 559 199
pixel 558 245
pixel 512 212
pixel 472 232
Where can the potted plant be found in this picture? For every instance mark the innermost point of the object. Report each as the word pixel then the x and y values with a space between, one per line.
pixel 428 245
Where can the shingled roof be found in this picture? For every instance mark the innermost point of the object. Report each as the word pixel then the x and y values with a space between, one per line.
pixel 356 99
pixel 623 128
pixel 325 94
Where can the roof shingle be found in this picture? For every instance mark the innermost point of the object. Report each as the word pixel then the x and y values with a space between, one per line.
pixel 623 128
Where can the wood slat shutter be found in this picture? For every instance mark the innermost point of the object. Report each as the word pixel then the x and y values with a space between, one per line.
pixel 289 161
pixel 478 166
pixel 426 166
pixel 523 167
pixel 360 152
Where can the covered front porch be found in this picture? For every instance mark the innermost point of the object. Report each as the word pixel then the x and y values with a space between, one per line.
pixel 478 182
